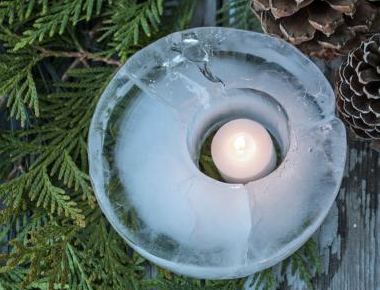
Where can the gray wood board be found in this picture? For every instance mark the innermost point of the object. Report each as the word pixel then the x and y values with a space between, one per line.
pixel 356 263
pixel 349 238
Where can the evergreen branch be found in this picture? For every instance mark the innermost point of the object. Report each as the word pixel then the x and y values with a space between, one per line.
pixel 76 267
pixel 45 252
pixel 15 149
pixel 115 266
pixel 18 168
pixel 12 192
pixel 73 176
pixel 13 40
pixel 17 83
pixel 25 223
pixel 189 284
pixel 50 196
pixel 36 184
pixel 125 30
pixel 80 55
pixel 57 20
pixel 13 10
pixel 9 281
pixel 303 264
pixel 264 280
pixel 12 280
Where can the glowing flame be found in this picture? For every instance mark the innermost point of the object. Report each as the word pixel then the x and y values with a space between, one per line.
pixel 240 144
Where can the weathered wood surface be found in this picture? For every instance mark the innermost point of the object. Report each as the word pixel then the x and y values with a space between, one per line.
pixel 352 258
pixel 349 238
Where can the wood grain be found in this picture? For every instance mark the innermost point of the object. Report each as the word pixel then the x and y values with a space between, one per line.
pixel 356 264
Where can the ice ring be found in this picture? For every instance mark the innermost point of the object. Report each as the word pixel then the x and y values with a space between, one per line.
pixel 145 139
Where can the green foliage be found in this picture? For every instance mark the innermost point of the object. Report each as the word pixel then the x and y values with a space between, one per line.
pixel 206 164
pixel 51 247
pixel 56 58
pixel 19 10
pixel 264 280
pixel 304 263
pixel 192 284
pixel 55 18
pixel 238 14
pixel 16 79
pixel 72 176
pixel 12 280
pixel 126 33
pixel 60 144
pixel 126 29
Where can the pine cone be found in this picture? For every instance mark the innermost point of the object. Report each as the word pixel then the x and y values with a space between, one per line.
pixel 319 28
pixel 358 90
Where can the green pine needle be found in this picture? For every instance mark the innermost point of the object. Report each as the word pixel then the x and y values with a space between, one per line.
pixel 125 30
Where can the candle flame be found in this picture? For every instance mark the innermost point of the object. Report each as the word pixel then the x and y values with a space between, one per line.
pixel 243 147
pixel 240 144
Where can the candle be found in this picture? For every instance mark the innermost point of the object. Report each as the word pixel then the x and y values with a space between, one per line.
pixel 243 151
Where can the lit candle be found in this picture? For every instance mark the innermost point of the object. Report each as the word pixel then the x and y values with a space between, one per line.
pixel 243 151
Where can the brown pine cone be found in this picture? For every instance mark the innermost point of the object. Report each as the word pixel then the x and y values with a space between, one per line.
pixel 319 28
pixel 358 90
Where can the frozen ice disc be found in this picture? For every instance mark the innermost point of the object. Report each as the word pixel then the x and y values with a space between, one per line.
pixel 145 139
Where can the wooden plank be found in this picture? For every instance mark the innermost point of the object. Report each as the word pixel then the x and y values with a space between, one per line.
pixel 357 263
pixel 349 237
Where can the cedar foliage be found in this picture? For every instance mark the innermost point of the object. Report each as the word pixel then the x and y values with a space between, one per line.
pixel 56 58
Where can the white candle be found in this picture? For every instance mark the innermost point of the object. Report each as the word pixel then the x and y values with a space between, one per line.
pixel 243 151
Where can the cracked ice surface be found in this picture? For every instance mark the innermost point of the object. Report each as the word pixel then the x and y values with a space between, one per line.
pixel 144 148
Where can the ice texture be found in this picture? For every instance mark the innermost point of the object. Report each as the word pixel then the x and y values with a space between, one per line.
pixel 145 140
